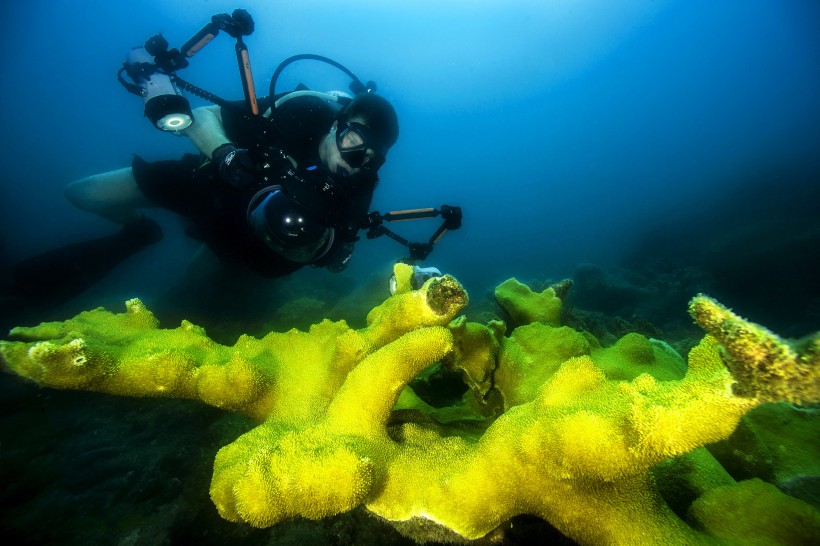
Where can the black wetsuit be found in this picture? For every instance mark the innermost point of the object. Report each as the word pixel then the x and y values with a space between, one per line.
pixel 192 187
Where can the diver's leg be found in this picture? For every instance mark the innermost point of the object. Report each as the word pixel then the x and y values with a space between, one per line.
pixel 64 272
pixel 114 196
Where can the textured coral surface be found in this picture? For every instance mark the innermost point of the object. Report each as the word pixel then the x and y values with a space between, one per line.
pixel 553 424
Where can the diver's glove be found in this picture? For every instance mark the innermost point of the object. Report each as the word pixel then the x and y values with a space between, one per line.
pixel 235 165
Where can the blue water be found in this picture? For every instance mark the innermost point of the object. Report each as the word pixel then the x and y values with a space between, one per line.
pixel 633 135
pixel 565 132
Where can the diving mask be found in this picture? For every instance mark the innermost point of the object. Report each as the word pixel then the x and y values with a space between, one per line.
pixel 353 142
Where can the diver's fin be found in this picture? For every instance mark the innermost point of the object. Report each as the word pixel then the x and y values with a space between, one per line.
pixel 62 273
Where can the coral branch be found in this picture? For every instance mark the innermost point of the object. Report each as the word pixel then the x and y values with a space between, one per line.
pixel 764 365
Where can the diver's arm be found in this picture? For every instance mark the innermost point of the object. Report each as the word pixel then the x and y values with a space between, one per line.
pixel 207 132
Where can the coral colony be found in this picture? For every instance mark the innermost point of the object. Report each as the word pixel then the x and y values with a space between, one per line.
pixel 553 424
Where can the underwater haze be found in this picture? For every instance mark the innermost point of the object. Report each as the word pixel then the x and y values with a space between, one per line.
pixel 647 150
pixel 569 132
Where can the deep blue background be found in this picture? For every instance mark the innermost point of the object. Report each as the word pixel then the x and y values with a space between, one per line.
pixel 566 130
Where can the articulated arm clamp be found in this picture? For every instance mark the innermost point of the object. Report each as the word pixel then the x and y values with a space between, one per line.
pixel 418 251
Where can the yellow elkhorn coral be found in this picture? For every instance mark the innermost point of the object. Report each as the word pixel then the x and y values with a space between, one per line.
pixel 571 445
pixel 764 365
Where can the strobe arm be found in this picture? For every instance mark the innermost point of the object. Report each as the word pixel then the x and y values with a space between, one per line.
pixel 418 251
pixel 238 24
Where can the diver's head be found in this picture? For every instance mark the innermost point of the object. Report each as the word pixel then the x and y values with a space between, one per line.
pixel 361 136
pixel 285 227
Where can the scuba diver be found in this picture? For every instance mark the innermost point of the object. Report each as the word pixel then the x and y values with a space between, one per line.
pixel 279 183
pixel 329 160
